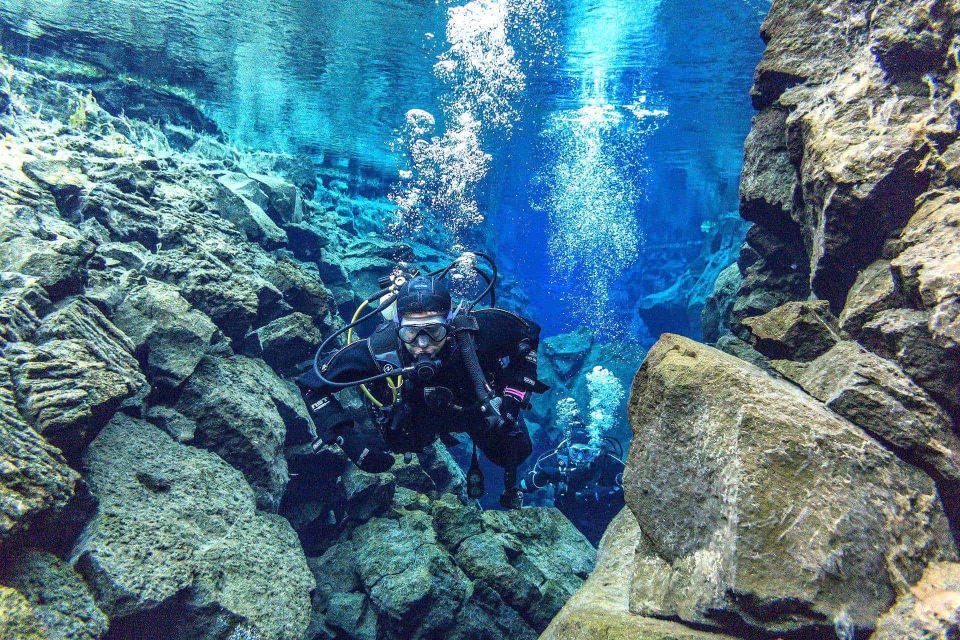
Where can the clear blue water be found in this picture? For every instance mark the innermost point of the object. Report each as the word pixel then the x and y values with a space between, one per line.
pixel 589 140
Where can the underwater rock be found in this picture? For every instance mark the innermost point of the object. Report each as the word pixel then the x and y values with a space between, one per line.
pixel 19 619
pixel 169 335
pixel 775 513
pixel 44 247
pixel 61 601
pixel 446 474
pixel 878 397
pixel 236 404
pixel 247 214
pixel 795 330
pixel 367 494
pixel 284 204
pixel 77 374
pixel 600 608
pixel 37 485
pixel 715 318
pixel 285 342
pixel 189 557
pixel 873 291
pixel 861 161
pixel 931 609
pixel 566 352
pixel 410 579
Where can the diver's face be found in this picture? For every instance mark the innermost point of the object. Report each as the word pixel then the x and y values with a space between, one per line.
pixel 423 344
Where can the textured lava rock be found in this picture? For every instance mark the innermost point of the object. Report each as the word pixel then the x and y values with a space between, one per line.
pixel 178 546
pixel 60 599
pixel 772 510
pixel 168 334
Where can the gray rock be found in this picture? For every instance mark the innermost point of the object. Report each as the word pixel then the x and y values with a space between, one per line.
pixel 334 572
pixel 795 330
pixel 413 584
pixel 181 428
pixel 715 320
pixel 878 397
pixel 285 342
pixel 446 474
pixel 903 335
pixel 367 494
pixel 772 498
pixel 177 543
pixel 873 291
pixel 37 485
pixel 237 417
pixel 567 351
pixel 285 204
pixel 19 619
pixel 453 521
pixel 61 601
pixel 248 216
pixel 76 377
pixel 44 247
pixel 169 335
pixel 351 614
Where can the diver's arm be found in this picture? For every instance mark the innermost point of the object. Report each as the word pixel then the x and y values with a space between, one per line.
pixel 334 424
pixel 518 339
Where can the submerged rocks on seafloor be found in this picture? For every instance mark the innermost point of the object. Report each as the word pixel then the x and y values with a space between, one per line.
pixel 773 513
pixel 178 545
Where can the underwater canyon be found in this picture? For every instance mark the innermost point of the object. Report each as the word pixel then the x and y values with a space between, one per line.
pixel 737 224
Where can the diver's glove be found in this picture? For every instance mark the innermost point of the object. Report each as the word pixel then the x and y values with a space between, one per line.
pixel 367 451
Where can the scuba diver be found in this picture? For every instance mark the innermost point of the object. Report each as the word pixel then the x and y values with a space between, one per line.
pixel 430 371
pixel 586 476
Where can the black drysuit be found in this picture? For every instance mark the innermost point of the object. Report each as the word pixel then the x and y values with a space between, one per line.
pixel 506 347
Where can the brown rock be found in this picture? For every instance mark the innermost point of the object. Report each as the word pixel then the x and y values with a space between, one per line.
pixel 599 609
pixel 880 398
pixel 744 485
pixel 795 330
pixel 929 611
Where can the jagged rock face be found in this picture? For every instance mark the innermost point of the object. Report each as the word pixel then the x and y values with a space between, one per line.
pixel 601 608
pixel 178 545
pixel 864 90
pixel 773 512
pixel 426 566
pixel 880 398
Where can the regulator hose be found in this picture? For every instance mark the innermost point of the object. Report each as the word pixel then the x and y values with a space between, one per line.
pixel 489 406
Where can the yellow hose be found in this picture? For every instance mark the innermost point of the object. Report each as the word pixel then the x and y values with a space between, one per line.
pixel 394 387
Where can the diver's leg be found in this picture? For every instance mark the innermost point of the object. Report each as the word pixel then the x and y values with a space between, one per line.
pixel 507 450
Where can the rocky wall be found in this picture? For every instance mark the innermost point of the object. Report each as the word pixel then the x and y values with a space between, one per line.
pixel 807 487
pixel 155 298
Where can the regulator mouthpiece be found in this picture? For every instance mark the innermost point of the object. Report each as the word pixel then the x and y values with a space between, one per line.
pixel 425 368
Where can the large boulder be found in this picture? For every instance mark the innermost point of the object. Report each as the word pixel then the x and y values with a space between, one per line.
pixel 242 410
pixel 284 203
pixel 169 335
pixel 177 545
pixel 600 608
pixel 285 342
pixel 773 512
pixel 877 396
